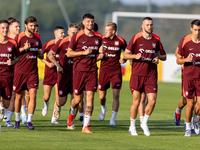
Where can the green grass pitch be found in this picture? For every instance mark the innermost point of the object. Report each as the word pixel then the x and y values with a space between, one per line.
pixel 164 133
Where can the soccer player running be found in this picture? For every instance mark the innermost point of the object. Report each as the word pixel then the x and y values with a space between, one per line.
pixel 9 55
pixel 110 70
pixel 64 69
pixel 50 73
pixel 189 56
pixel 144 51
pixel 84 48
pixel 14 29
pixel 26 70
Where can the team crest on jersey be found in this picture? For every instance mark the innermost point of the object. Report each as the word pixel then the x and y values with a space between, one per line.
pixel 116 43
pixel 97 42
pixel 9 49
pixel 154 45
pixel 60 92
pixel 37 43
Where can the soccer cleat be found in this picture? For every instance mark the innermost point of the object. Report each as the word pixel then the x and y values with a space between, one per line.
pixel 81 118
pixel 112 123
pixel 8 124
pixel 1 113
pixel 177 118
pixel 29 125
pixel 70 119
pixel 86 130
pixel 132 131
pixel 196 127
pixel 24 118
pixel 54 121
pixel 45 109
pixel 89 125
pixel 17 125
pixel 192 127
pixel 102 116
pixel 145 129
pixel 57 113
pixel 188 133
pixel 72 127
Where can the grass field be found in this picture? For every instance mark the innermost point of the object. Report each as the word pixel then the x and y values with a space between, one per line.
pixel 164 133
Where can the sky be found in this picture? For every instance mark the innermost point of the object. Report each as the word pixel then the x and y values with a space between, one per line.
pixel 159 2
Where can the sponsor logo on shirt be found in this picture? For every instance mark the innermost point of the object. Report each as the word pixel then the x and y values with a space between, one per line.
pixel 111 55
pixel 196 55
pixel 146 51
pixel 5 55
pixel 154 45
pixel 33 49
pixel 92 47
pixel 146 59
pixel 9 49
pixel 113 48
pixel 3 63
pixel 31 57
pixel 116 43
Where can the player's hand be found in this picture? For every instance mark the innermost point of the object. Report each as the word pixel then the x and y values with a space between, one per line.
pixel 155 60
pixel 51 65
pixel 59 69
pixel 9 62
pixel 189 58
pixel 27 45
pixel 121 61
pixel 138 56
pixel 100 56
pixel 102 49
pixel 88 51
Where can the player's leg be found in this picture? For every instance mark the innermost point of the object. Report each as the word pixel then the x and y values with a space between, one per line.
pixel 53 119
pixel 141 107
pixel 196 115
pixel 81 110
pixel 27 99
pixel 115 106
pixel 24 108
pixel 3 105
pixel 102 100
pixel 18 100
pixel 46 97
pixel 31 107
pixel 10 111
pixel 134 111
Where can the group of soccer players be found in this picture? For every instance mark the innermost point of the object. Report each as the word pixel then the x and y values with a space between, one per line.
pixel 71 67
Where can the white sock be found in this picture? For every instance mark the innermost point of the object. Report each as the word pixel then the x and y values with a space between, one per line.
pixel 86 120
pixel 188 127
pixel 114 114
pixel 17 116
pixel 195 117
pixel 23 110
pixel 178 110
pixel 132 122
pixel 146 118
pixel 30 116
pixel 45 104
pixel 73 111
pixel 103 109
pixel 141 119
pixel 81 114
pixel 9 115
pixel 5 113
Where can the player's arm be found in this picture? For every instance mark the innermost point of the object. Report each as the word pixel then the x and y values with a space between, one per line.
pixel 176 52
pixel 156 58
pixel 181 60
pixel 71 53
pixel 40 54
pixel 128 56
pixel 12 62
pixel 50 65
pixel 53 60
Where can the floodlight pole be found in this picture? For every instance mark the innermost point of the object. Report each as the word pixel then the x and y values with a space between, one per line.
pixel 24 12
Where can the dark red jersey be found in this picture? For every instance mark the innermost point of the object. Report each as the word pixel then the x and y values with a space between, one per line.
pixel 148 49
pixel 9 49
pixel 186 47
pixel 113 48
pixel 162 51
pixel 28 61
pixel 81 42
pixel 61 48
pixel 46 48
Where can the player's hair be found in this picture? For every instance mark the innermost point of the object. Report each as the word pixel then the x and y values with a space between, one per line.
pixel 147 18
pixel 4 21
pixel 95 28
pixel 30 19
pixel 90 16
pixel 10 23
pixel 37 25
pixel 113 25
pixel 10 19
pixel 58 27
pixel 73 25
pixel 81 26
pixel 195 22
